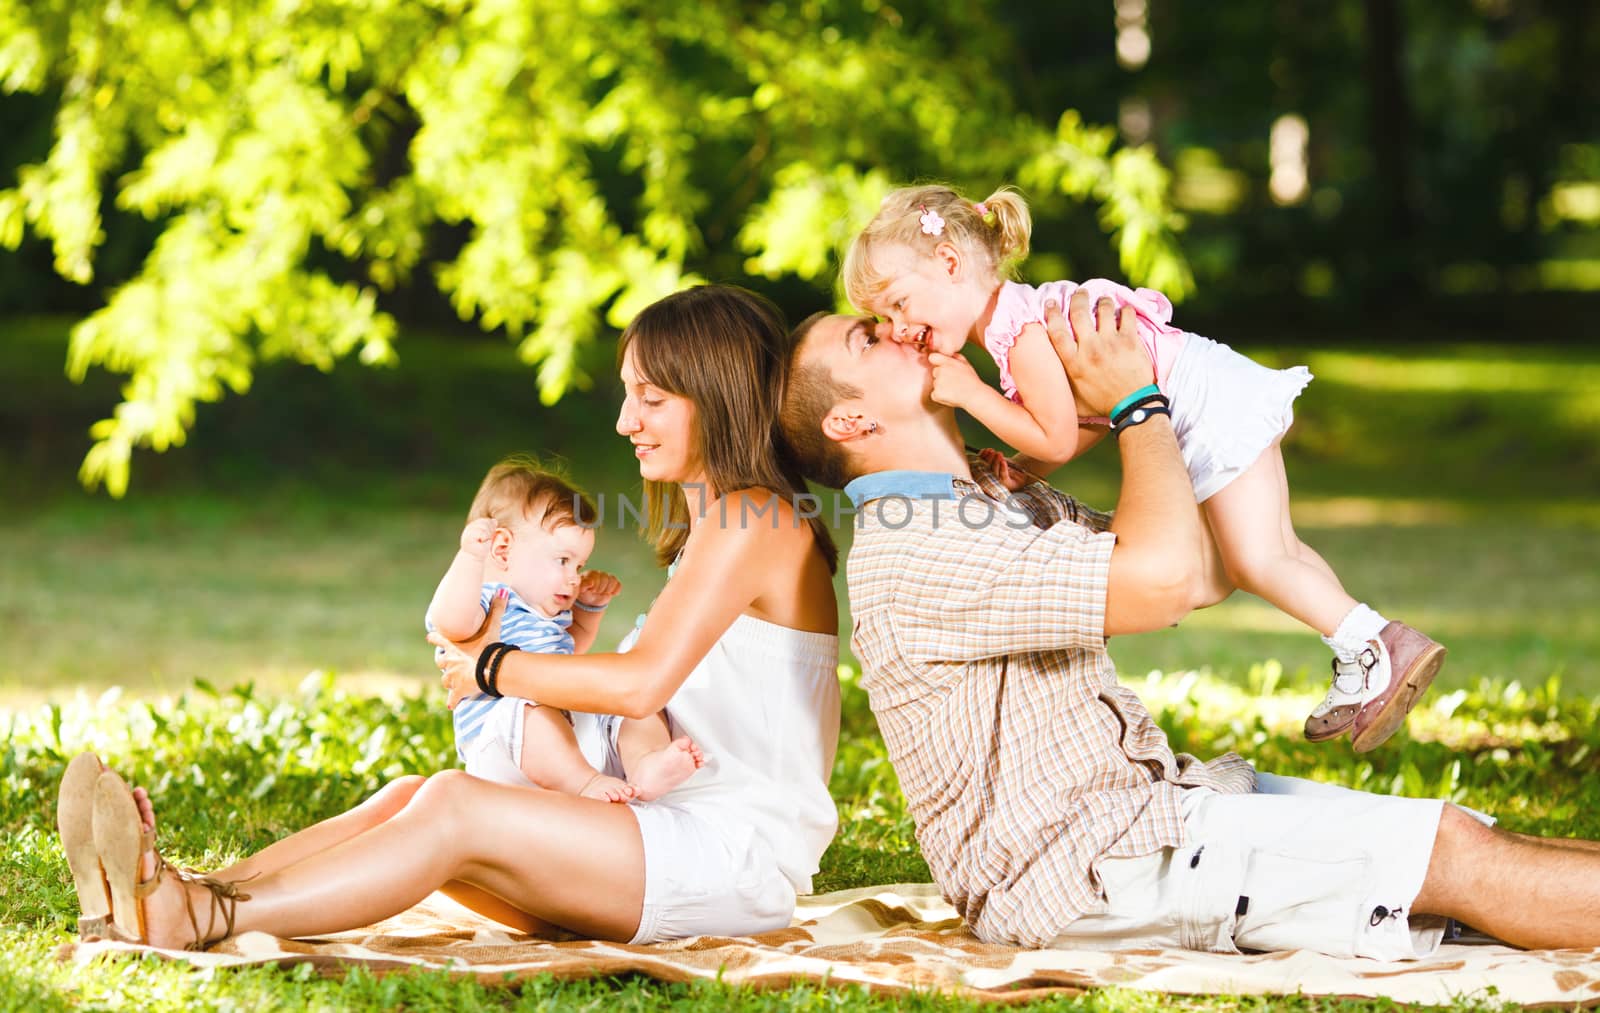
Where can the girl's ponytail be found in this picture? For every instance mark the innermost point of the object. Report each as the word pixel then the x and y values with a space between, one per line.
pixel 1012 224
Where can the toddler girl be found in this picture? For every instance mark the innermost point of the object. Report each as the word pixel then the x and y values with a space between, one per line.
pixel 528 536
pixel 935 264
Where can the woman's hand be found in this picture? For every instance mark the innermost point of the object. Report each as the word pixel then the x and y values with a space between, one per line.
pixel 458 662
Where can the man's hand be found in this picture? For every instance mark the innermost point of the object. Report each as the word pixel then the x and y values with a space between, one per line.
pixel 1101 352
pixel 458 662
pixel 955 382
pixel 476 537
pixel 597 589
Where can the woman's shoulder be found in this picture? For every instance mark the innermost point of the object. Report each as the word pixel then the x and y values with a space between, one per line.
pixel 757 514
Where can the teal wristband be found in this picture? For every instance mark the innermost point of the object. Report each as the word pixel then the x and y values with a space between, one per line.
pixel 1144 391
pixel 580 606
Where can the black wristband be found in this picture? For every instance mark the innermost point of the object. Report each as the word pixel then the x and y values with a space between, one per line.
pixel 489 653
pixel 1133 406
pixel 493 677
pixel 1138 415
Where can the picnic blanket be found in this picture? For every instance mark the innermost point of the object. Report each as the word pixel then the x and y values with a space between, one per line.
pixel 903 938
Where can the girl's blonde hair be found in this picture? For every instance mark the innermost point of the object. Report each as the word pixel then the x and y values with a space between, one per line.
pixel 997 232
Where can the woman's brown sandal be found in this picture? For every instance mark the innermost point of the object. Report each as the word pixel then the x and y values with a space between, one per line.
pixel 75 822
pixel 120 839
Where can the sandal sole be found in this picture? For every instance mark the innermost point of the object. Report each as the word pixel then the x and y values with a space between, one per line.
pixel 75 823
pixel 117 834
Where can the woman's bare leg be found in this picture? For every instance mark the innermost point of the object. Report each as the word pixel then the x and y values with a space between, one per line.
pixel 497 908
pixel 383 804
pixel 565 861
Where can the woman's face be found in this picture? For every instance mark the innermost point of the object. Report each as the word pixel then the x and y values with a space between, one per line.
pixel 661 427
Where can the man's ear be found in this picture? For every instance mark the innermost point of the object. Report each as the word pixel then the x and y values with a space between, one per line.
pixel 842 424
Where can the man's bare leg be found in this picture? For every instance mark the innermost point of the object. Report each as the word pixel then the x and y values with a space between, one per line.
pixel 654 761
pixel 1528 891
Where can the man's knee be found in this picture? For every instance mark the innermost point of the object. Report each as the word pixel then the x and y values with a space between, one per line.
pixel 1464 848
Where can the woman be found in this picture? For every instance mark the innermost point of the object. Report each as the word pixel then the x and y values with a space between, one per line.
pixel 740 648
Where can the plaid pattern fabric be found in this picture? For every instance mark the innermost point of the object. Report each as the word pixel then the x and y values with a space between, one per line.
pixel 984 659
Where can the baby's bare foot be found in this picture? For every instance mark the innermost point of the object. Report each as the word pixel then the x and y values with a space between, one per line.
pixel 608 789
pixel 659 771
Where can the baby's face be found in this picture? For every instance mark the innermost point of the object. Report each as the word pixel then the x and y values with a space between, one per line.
pixel 544 567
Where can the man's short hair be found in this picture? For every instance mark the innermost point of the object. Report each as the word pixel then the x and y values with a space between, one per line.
pixel 811 393
pixel 519 488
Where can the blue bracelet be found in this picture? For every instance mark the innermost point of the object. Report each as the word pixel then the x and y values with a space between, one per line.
pixel 1144 391
pixel 590 608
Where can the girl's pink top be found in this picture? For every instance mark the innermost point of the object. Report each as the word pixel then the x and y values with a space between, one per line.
pixel 1020 305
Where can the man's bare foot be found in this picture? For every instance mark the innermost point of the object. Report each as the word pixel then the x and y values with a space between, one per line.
pixel 661 770
pixel 608 789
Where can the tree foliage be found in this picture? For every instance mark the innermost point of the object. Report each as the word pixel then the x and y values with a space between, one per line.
pixel 547 164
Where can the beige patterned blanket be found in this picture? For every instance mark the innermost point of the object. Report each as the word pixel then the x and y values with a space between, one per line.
pixel 905 937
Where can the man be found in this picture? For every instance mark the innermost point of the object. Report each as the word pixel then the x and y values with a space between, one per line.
pixel 1048 804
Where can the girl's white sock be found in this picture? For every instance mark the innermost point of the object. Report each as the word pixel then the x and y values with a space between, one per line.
pixel 1359 625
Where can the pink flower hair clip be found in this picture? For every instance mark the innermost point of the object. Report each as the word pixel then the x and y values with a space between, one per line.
pixel 932 223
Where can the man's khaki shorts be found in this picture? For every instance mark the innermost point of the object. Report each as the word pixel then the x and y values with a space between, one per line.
pixel 1296 865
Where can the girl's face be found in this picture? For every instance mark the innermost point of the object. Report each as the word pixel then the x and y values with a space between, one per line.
pixel 661 427
pixel 542 566
pixel 930 300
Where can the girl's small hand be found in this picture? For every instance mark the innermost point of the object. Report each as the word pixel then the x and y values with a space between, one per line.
pixel 458 661
pixel 955 382
pixel 1010 476
pixel 597 589
pixel 476 536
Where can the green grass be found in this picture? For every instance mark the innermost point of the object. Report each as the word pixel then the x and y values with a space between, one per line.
pixel 303 528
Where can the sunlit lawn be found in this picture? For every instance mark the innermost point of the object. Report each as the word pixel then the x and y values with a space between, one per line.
pixel 305 526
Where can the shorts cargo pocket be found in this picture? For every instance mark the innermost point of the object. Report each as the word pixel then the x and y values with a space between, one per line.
pixel 1293 902
pixel 1212 877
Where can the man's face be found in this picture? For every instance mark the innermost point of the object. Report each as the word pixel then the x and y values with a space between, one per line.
pixel 894 377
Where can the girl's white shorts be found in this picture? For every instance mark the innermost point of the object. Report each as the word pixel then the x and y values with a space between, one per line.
pixel 1227 409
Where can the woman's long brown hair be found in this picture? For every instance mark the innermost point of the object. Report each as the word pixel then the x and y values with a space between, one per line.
pixel 723 348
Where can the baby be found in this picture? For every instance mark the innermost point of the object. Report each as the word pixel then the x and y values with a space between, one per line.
pixel 531 533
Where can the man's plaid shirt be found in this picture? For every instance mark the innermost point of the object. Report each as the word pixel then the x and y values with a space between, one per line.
pixel 979 622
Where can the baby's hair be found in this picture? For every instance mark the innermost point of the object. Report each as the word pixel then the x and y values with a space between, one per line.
pixel 520 488
pixel 999 233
